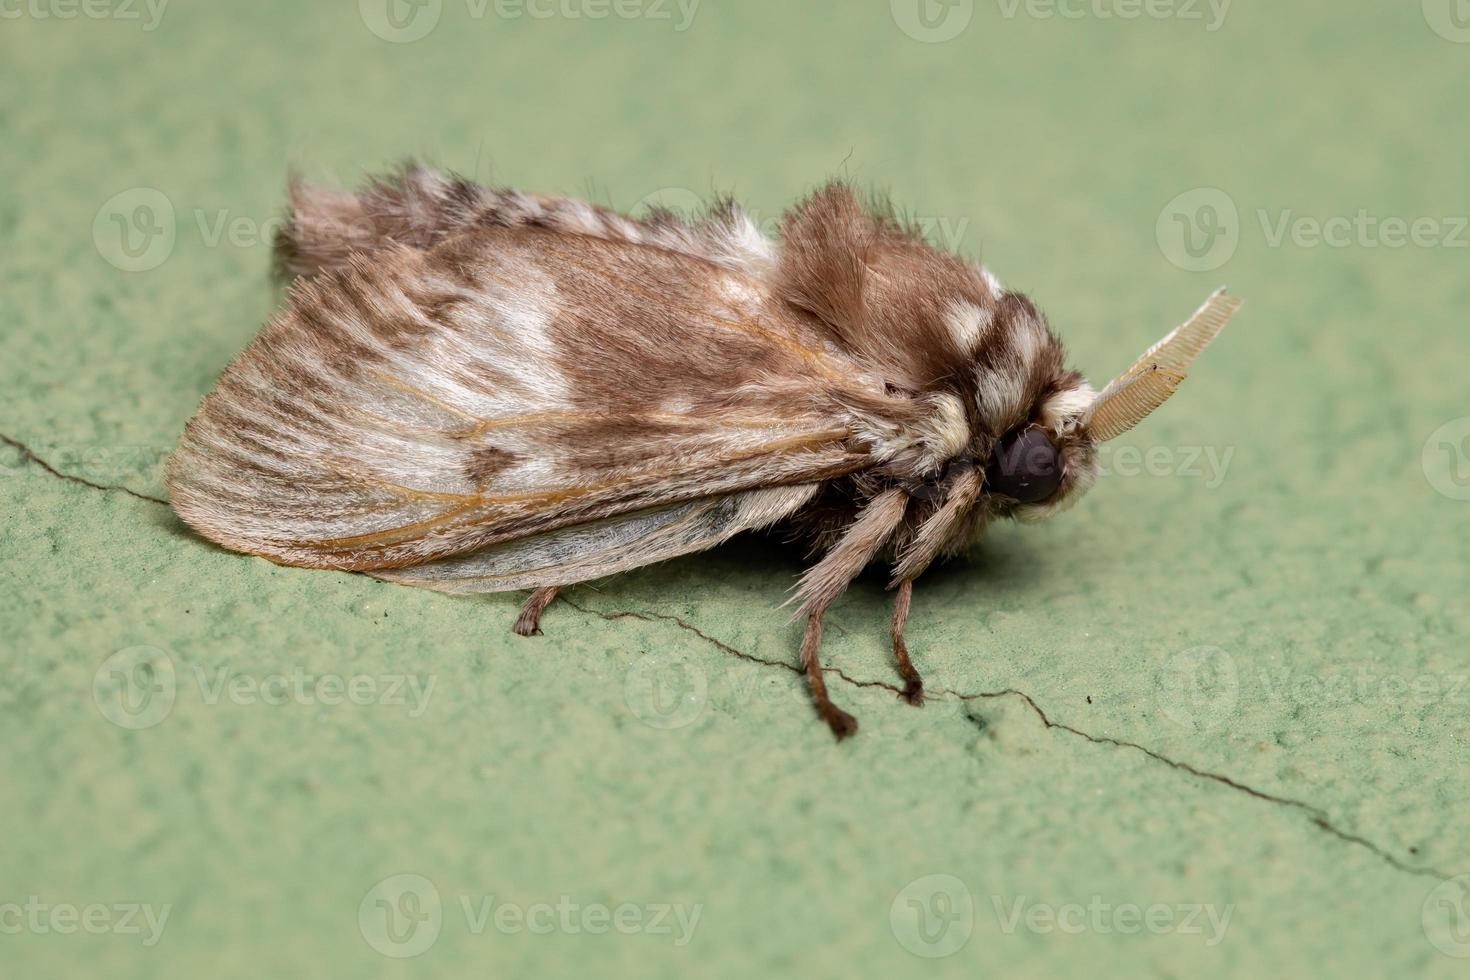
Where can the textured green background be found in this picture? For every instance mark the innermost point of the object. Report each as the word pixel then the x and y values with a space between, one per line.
pixel 1245 693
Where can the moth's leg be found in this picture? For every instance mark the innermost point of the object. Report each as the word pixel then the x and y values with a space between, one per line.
pixel 826 580
pixel 528 623
pixel 841 723
pixel 913 684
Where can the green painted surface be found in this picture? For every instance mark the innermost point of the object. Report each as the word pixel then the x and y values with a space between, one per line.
pixel 1294 621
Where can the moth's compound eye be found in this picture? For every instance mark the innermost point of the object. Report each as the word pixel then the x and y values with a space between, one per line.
pixel 1025 467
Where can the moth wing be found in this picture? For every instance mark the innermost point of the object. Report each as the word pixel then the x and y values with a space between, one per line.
pixel 607 546
pixel 507 383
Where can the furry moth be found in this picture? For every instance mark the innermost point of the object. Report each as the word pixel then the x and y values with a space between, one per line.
pixel 479 390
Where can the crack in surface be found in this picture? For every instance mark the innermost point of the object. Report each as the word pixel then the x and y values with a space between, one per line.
pixel 721 645
pixel 1318 817
pixel 31 456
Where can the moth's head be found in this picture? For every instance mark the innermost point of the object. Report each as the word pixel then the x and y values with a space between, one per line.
pixel 1045 458
pixel 1046 463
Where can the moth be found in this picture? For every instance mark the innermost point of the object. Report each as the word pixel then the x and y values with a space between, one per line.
pixel 478 390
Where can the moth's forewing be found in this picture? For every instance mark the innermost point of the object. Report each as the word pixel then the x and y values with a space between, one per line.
pixel 507 383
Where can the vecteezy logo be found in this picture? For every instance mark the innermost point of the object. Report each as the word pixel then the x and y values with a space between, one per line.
pixel 1450 19
pixel 1446 459
pixel 400 21
pixel 1199 688
pixel 135 230
pixel 665 693
pixel 1446 917
pixel 401 916
pixel 135 688
pixel 1199 230
pixel 933 916
pixel 932 21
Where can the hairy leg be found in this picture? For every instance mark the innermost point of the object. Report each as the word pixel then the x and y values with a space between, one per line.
pixel 841 723
pixel 528 623
pixel 826 580
pixel 913 684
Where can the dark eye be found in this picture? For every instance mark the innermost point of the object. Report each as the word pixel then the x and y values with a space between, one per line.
pixel 1025 467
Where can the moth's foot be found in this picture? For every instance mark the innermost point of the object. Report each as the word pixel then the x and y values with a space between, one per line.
pixel 528 623
pixel 913 682
pixel 843 725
